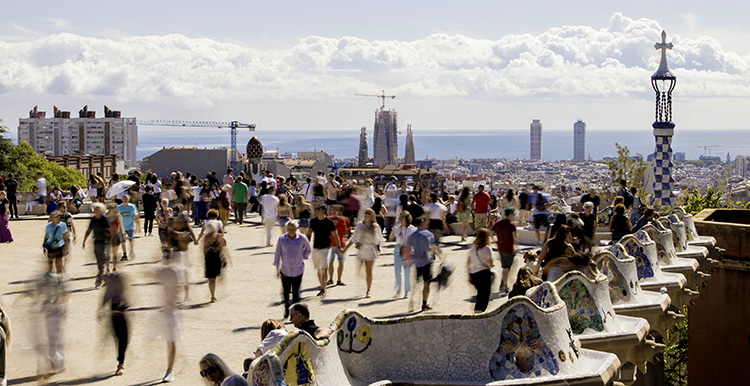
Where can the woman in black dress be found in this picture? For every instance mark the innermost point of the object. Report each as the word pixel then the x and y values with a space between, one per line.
pixel 213 249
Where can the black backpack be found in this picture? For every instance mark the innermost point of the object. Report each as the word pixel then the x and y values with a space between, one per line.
pixel 541 203
pixel 628 198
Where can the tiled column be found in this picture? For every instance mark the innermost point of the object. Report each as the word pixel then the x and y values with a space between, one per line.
pixel 663 181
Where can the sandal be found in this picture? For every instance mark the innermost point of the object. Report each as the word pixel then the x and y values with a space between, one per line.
pixel 120 369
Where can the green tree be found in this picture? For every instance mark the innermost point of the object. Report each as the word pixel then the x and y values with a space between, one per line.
pixel 625 167
pixel 676 354
pixel 695 202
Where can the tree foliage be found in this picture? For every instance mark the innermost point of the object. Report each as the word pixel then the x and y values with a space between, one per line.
pixel 625 167
pixel 676 353
pixel 24 163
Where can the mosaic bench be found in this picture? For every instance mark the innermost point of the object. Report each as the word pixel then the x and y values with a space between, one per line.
pixel 666 257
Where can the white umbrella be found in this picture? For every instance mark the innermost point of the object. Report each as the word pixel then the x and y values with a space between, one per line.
pixel 119 188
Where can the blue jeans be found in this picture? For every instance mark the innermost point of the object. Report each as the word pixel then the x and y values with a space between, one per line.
pixel 398 265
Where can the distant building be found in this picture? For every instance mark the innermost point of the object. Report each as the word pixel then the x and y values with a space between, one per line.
pixel 87 134
pixel 363 146
pixel 385 137
pixel 306 164
pixel 679 156
pixel 87 164
pixel 409 157
pixel 579 141
pixel 536 140
pixel 187 159
pixel 741 165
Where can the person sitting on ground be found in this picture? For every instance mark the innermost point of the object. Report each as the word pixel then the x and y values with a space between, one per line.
pixel 217 373
pixel 299 313
pixel 271 331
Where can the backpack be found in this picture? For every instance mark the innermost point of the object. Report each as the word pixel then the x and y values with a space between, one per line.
pixel 541 203
pixel 628 198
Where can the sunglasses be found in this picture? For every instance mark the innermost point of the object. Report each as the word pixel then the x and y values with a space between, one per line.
pixel 207 371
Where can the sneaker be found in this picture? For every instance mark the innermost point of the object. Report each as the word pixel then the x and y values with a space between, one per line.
pixel 322 293
pixel 124 257
pixel 120 369
pixel 169 376
pixel 406 294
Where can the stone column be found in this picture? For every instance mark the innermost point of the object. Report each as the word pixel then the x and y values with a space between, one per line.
pixel 663 181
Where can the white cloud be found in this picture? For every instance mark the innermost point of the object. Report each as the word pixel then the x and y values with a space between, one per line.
pixel 567 61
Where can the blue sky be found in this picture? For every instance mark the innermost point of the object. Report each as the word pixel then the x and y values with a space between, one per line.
pixel 452 65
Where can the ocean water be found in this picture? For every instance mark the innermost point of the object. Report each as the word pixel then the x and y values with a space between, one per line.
pixel 466 144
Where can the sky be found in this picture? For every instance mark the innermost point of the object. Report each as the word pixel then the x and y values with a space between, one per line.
pixel 294 65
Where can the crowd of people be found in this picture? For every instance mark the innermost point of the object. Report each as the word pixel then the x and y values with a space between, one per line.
pixel 321 219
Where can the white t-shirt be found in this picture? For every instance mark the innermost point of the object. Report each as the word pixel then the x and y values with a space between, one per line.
pixel 478 258
pixel 41 186
pixel 272 339
pixel 390 190
pixel 269 203
pixel 196 193
pixel 308 191
pixel 435 211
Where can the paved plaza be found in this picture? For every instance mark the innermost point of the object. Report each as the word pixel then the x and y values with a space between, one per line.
pixel 248 294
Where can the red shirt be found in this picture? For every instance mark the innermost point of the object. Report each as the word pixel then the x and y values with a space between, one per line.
pixel 504 231
pixel 342 228
pixel 481 202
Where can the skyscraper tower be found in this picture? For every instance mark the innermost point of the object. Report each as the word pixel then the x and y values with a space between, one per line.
pixel 579 141
pixel 536 140
pixel 409 157
pixel 663 82
pixel 363 146
pixel 385 137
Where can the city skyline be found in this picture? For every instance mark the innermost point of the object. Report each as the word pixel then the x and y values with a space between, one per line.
pixel 476 63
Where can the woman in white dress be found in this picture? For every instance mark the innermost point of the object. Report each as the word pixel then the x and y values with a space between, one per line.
pixel 367 238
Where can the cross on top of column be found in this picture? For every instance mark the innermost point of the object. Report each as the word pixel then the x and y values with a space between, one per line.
pixel 663 46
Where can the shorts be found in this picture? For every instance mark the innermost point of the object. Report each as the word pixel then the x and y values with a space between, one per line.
pixel 335 255
pixel 55 253
pixel 425 272
pixel 282 221
pixel 480 220
pixel 540 219
pixel 506 259
pixel 320 257
pixel 436 224
pixel 129 233
pixel 304 223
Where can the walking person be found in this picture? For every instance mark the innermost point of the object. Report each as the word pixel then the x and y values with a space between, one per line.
pixel 169 274
pixel 436 212
pixel 180 235
pixel 163 214
pixel 4 344
pixel 540 203
pixel 117 233
pixel 422 244
pixel 304 214
pixel 5 235
pixel 307 190
pixel 130 223
pixel 269 204
pixel 507 239
pixel 67 218
pixel 116 298
pixel 391 205
pixel 253 196
pixel 11 187
pixel 56 236
pixel 343 229
pixel 214 252
pixel 324 233
pixel 463 208
pixel 367 238
pixel 239 200
pixel 402 256
pixel 285 212
pixel 292 249
pixel 481 205
pixel 150 202
pixel 479 265
pixel 332 190
pixel 53 295
pixel 100 225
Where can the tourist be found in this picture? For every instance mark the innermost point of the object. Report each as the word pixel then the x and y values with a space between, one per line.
pixel 307 190
pixel 4 343
pixel 52 293
pixel 415 209
pixel 150 201
pixel 380 211
pixel 163 214
pixel 436 212
pixel 367 238
pixel 101 226
pixel 575 225
pixel 239 200
pixel 116 298
pixel 524 207
pixel 224 205
pixel 463 208
pixel 648 216
pixel 304 213
pixel 332 189
pixel 619 224
pixel 228 179
pixel 481 205
pixel 560 220
pixel 319 196
pixel 324 234
pixel 271 333
pixel 343 229
pixel 180 235
pixel 557 246
pixel 626 195
pixel 402 256
pixel 67 219
pixel 56 236
pixel 214 252
pixel 589 226
pixel 169 274
pixel 424 250
pixel 593 198
pixel 451 217
pixel 299 314
pixel 509 201
pixel 269 204
pixel 525 280
pixel 351 204
pixel 130 222
pixel 391 204
pixel 31 203
pixel 369 194
pixel 212 217
pixel 252 192
pixel 55 196
pixel 540 202
pixel 479 264
pixel 291 250
pixel 11 187
pixel 637 208
pixel 5 235
pixel 100 187
pixel 117 233
pixel 41 188
pixel 507 240
pixel 216 372
pixel 285 212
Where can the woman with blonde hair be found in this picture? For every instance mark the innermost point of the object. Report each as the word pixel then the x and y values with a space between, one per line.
pixel 367 238
pixel 271 331
pixel 479 265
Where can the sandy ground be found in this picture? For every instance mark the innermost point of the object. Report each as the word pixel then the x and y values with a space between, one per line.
pixel 248 294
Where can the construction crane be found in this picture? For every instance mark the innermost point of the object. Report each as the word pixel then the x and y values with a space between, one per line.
pixel 708 148
pixel 233 126
pixel 381 96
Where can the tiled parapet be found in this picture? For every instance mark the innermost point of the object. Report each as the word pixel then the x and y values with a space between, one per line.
pixel 517 343
pixel 628 298
pixel 594 321
pixel 679 233
pixel 697 240
pixel 667 258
